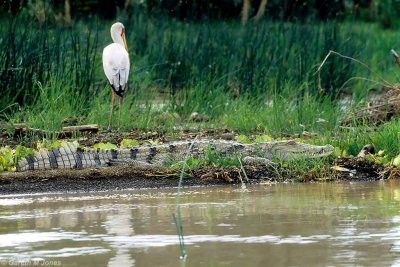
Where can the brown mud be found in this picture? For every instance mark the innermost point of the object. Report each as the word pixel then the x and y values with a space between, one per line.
pixel 133 177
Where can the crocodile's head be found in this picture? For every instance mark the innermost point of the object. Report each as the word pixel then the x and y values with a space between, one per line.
pixel 292 149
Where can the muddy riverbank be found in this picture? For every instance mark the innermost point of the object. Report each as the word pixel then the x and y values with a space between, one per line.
pixel 133 177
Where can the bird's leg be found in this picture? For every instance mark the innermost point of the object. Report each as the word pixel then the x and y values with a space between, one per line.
pixel 119 112
pixel 112 109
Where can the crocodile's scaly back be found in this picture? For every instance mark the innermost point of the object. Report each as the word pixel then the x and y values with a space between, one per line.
pixel 67 156
pixel 71 156
pixel 291 149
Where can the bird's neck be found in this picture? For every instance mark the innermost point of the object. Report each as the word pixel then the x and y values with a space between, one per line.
pixel 118 39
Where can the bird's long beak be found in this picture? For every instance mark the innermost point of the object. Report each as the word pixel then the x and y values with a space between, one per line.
pixel 124 39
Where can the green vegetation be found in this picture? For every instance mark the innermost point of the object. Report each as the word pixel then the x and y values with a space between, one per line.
pixel 9 157
pixel 305 170
pixel 260 79
pixel 211 158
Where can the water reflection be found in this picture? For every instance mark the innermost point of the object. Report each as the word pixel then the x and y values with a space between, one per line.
pixel 277 225
pixel 118 224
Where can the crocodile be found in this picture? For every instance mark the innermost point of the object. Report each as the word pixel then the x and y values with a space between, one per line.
pixel 71 156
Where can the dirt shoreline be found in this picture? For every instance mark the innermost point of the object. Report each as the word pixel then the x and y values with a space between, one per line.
pixel 132 177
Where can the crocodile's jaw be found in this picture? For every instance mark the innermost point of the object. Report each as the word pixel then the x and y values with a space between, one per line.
pixel 293 150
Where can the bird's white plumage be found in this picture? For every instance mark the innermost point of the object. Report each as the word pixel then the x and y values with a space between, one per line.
pixel 116 66
pixel 116 60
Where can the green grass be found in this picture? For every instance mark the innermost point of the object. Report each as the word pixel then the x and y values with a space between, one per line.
pixel 384 137
pixel 305 170
pixel 259 79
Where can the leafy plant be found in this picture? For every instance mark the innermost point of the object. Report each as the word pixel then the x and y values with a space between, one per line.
pixel 9 157
pixel 129 142
pixel 106 146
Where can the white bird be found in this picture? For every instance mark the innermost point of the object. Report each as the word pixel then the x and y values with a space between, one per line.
pixel 116 66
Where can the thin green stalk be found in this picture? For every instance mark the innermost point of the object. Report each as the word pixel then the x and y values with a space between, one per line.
pixel 178 217
pixel 245 174
pixel 9 106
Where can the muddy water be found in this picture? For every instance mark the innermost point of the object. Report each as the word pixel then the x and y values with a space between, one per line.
pixel 270 225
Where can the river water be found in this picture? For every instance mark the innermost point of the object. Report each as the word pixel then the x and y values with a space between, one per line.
pixel 345 224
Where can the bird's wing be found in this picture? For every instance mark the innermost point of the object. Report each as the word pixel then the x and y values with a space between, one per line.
pixel 116 67
pixel 123 73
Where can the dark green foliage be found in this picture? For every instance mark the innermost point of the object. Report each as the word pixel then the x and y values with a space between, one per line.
pixel 33 53
pixel 196 10
pixel 388 13
pixel 258 59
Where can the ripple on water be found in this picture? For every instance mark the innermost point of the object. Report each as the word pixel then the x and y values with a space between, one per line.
pixel 15 201
pixel 18 246
pixel 30 237
pixel 56 253
pixel 142 241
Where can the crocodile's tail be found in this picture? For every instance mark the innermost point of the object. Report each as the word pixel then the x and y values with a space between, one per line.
pixel 68 156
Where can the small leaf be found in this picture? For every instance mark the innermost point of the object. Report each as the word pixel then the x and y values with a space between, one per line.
pixel 370 157
pixel 396 161
pixel 21 151
pixel 7 157
pixel 263 138
pixel 153 142
pixel 44 144
pixel 106 146
pixel 383 160
pixel 75 143
pixel 338 151
pixel 11 169
pixel 242 139
pixel 56 144
pixel 129 142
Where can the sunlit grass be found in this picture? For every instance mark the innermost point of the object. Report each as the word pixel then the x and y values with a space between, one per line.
pixel 384 137
pixel 305 170
pixel 257 79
